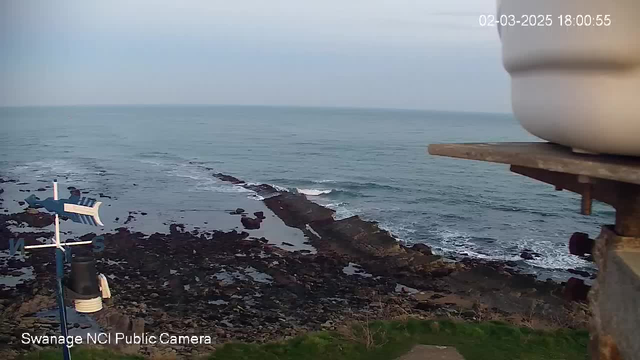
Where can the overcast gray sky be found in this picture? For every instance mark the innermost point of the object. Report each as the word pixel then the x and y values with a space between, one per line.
pixel 422 54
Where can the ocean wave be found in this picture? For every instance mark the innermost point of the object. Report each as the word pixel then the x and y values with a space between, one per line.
pixel 51 169
pixel 351 185
pixel 223 188
pixel 200 176
pixel 399 232
pixel 324 181
pixel 553 256
pixel 150 162
pixel 277 187
pixel 156 155
pixel 342 210
pixel 460 243
pixel 512 207
pixel 313 192
pixel 255 196
pixel 335 184
pixel 203 179
pixel 188 175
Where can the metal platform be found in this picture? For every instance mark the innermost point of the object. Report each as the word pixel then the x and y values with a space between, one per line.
pixel 615 180
pixel 546 156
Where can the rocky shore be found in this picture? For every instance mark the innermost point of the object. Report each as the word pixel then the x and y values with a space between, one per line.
pixel 232 286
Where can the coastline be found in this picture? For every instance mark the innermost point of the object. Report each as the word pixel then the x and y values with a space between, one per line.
pixel 239 287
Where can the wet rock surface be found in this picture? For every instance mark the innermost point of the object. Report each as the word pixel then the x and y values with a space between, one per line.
pixel 250 223
pixel 529 254
pixel 582 273
pixel 231 286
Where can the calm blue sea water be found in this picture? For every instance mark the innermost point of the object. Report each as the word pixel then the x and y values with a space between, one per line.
pixel 367 162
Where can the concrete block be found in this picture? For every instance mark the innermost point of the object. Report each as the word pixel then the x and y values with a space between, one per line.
pixel 430 352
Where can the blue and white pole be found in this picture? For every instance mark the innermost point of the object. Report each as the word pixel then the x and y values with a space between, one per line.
pixel 66 352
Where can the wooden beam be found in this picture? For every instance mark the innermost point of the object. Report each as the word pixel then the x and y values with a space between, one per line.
pixel 546 156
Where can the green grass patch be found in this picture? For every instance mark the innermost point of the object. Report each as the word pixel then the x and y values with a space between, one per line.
pixel 388 340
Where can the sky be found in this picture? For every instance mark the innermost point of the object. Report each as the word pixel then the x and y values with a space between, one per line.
pixel 413 54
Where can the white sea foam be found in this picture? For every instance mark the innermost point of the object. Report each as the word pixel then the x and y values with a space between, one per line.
pixel 53 169
pixel 400 232
pixel 222 188
pixel 341 209
pixel 457 242
pixel 204 181
pixel 279 188
pixel 190 172
pixel 151 162
pixel 552 255
pixel 314 192
pixel 189 176
pixel 324 181
pixel 255 196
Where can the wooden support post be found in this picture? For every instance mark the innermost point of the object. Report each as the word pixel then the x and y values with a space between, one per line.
pixel 628 210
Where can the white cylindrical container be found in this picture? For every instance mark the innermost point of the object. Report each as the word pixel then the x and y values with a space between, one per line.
pixel 88 306
pixel 575 82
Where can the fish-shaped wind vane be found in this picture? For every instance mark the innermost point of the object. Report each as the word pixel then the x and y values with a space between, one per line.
pixel 79 209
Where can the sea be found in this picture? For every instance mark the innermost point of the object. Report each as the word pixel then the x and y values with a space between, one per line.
pixel 156 164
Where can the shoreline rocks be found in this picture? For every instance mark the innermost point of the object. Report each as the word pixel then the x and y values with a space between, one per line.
pixel 245 289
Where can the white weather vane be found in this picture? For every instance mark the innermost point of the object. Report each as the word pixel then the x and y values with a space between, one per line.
pixel 79 209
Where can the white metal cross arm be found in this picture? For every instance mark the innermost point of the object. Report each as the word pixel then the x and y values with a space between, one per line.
pixel 59 246
pixel 56 241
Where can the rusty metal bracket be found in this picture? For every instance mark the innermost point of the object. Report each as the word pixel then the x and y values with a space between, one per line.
pixel 624 197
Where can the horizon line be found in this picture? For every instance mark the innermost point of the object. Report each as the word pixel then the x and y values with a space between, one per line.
pixel 255 105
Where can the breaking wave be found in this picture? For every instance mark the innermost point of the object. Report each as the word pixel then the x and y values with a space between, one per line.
pixel 335 184
pixel 313 192
pixel 342 210
pixel 552 255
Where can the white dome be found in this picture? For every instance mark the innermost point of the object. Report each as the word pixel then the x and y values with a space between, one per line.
pixel 577 86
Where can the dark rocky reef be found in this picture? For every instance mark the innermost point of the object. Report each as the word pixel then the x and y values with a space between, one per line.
pixel 296 211
pixel 495 284
pixel 228 178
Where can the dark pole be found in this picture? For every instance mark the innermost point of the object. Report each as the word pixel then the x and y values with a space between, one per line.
pixel 63 313
pixel 59 275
